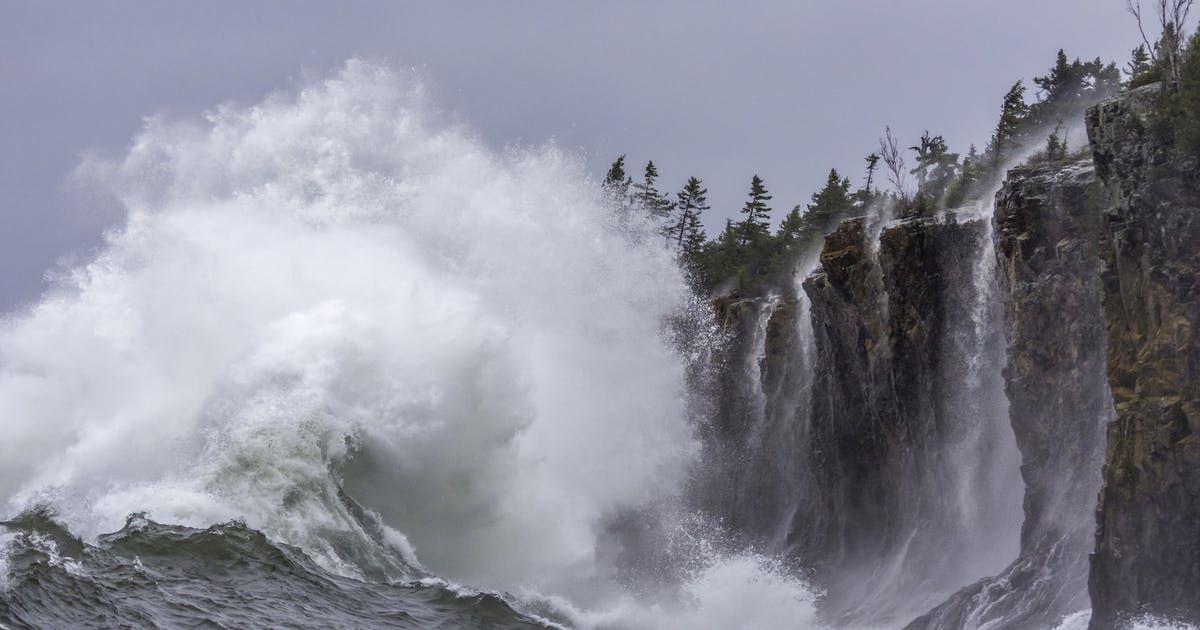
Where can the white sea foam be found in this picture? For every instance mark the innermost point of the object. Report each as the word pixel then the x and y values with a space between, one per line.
pixel 740 592
pixel 329 291
pixel 6 540
pixel 1080 620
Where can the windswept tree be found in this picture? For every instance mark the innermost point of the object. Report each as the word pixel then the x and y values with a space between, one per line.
pixel 829 206
pixel 872 165
pixel 791 229
pixel 1056 146
pixel 1140 65
pixel 968 177
pixel 616 184
pixel 1070 85
pixel 686 230
pixel 936 165
pixel 1013 111
pixel 805 227
pixel 756 214
pixel 721 258
pixel 647 196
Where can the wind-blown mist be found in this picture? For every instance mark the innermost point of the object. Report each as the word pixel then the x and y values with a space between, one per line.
pixel 329 293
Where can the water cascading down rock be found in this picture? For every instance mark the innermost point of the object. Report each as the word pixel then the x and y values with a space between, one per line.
pixel 874 442
pixel 1045 224
pixel 911 456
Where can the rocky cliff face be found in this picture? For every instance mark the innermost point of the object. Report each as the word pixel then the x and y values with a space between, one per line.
pixel 861 421
pixel 1045 226
pixel 1147 556
pixel 908 455
pixel 758 467
pixel 867 428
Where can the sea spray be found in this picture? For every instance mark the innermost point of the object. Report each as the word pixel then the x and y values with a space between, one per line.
pixel 365 335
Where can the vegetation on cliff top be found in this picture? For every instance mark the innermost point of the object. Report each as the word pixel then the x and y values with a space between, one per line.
pixel 749 253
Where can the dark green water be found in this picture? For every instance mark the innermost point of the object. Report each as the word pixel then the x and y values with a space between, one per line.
pixel 149 575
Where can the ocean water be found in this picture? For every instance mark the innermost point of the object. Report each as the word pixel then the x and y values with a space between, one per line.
pixel 340 364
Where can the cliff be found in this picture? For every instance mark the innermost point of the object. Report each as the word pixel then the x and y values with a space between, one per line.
pixel 860 423
pixel 1045 231
pixel 906 418
pixel 1147 555
pixel 756 461
pixel 872 423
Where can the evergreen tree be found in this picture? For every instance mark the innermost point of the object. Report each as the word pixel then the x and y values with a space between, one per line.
pixel 791 228
pixel 936 165
pixel 757 214
pixel 1012 113
pixel 1067 88
pixel 972 156
pixel 616 184
pixel 1139 66
pixel 1073 84
pixel 967 179
pixel 1059 80
pixel 829 206
pixel 647 196
pixel 686 231
pixel 872 164
pixel 1184 104
pixel 805 227
pixel 729 239
pixel 1056 148
pixel 720 258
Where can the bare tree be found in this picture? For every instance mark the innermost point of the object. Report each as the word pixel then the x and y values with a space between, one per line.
pixel 1135 9
pixel 1172 15
pixel 889 150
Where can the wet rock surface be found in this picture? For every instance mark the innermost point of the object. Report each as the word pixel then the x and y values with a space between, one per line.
pixel 1045 229
pixel 906 433
pixel 863 418
pixel 1147 555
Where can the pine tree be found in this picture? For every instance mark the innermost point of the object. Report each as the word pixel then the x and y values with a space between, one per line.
pixel 791 228
pixel 1056 148
pixel 1012 113
pixel 1185 103
pixel 1072 85
pixel 721 258
pixel 1139 65
pixel 829 206
pixel 1059 80
pixel 872 164
pixel 687 231
pixel 616 184
pixel 972 156
pixel 967 179
pixel 936 166
pixel 757 214
pixel 1075 82
pixel 647 196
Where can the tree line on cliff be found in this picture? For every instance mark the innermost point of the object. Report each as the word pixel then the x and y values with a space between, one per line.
pixel 753 250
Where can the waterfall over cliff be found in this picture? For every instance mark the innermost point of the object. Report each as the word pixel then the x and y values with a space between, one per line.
pixel 341 358
pixel 951 354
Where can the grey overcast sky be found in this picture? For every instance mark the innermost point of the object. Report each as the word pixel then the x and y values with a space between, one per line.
pixel 721 90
